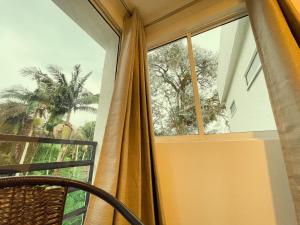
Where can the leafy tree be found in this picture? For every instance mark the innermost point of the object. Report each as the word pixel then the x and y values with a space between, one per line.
pixel 206 64
pixel 38 112
pixel 171 85
pixel 22 108
pixel 86 131
pixel 66 96
pixel 22 112
pixel 13 117
pixel 172 93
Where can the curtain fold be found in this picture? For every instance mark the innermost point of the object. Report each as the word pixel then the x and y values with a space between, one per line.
pixel 126 165
pixel 280 56
pixel 292 15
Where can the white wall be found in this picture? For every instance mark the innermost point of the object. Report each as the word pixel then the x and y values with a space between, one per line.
pixel 254 112
pixel 232 36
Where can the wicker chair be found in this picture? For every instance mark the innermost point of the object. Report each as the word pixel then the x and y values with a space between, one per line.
pixel 40 200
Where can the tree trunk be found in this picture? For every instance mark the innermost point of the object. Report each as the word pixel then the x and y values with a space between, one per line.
pixel 64 148
pixel 49 159
pixel 62 153
pixel 68 117
pixel 27 143
pixel 76 158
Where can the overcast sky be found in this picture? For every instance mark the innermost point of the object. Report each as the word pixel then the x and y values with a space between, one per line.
pixel 209 40
pixel 37 33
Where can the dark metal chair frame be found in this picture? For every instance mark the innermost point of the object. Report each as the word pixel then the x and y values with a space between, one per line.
pixel 68 183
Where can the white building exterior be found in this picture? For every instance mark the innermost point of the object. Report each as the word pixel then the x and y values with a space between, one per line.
pixel 240 82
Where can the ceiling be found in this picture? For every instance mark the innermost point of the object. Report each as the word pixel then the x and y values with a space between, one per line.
pixel 154 10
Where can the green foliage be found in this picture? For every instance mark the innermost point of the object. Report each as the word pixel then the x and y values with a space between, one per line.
pixel 44 153
pixel 66 96
pixel 38 112
pixel 51 123
pixel 10 152
pixel 75 200
pixel 49 153
pixel 86 132
pixel 13 116
pixel 77 220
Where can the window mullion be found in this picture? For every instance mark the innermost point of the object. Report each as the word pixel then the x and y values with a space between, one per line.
pixel 195 85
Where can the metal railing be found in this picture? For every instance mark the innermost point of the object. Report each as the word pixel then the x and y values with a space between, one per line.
pixel 28 168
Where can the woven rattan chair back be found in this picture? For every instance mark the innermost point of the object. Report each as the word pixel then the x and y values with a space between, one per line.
pixel 28 205
pixel 40 200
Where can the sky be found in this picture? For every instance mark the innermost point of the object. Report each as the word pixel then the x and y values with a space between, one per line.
pixel 209 40
pixel 38 33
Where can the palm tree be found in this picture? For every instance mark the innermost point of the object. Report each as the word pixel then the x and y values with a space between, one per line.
pixel 13 119
pixel 13 116
pixel 54 96
pixel 21 111
pixel 66 96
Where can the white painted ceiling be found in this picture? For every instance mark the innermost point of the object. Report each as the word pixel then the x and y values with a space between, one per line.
pixel 152 10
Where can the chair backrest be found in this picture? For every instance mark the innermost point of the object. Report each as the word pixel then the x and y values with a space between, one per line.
pixel 40 200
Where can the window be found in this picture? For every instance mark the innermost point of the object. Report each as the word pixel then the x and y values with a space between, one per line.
pixel 53 63
pixel 172 90
pixel 253 69
pixel 232 108
pixel 220 67
pixel 57 71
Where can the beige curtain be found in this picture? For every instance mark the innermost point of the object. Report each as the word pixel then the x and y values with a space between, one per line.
pixel 280 56
pixel 126 167
pixel 291 11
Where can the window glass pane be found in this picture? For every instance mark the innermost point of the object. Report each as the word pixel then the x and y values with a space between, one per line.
pixel 222 57
pixel 52 66
pixel 171 90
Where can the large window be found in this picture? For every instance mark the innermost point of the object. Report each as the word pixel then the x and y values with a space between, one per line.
pixel 57 71
pixel 52 67
pixel 230 93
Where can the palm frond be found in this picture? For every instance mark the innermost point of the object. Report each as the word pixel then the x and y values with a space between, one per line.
pixel 75 74
pixel 17 93
pixel 42 95
pixel 86 109
pixel 84 79
pixel 11 112
pixel 37 75
pixel 79 87
pixel 88 99
pixel 57 75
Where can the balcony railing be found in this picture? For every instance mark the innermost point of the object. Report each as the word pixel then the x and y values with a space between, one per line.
pixel 42 158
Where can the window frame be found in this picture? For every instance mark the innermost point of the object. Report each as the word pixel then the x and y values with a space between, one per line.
pixel 202 135
pixel 257 71
pixel 233 106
